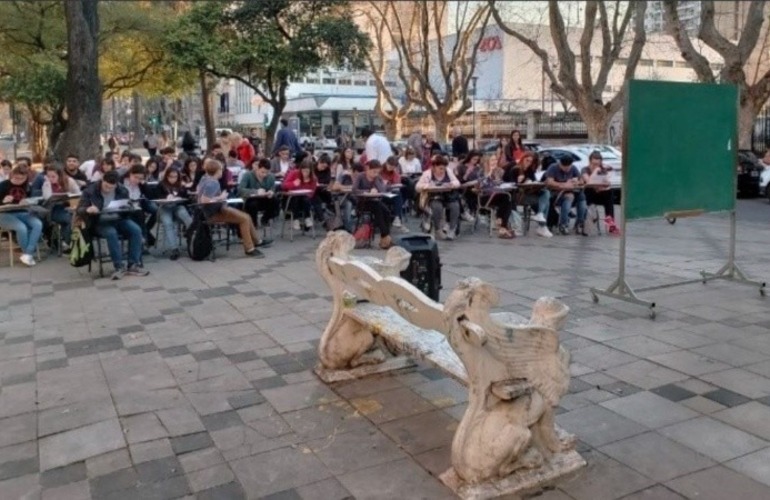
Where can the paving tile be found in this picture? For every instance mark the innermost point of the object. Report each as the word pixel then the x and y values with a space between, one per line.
pixel 689 363
pixel 719 483
pixel 278 470
pixel 158 470
pixel 390 405
pixel 108 463
pixel 656 457
pixel 754 465
pixel 298 396
pixel 211 477
pixel 142 427
pixel 328 489
pixel 731 354
pixel 751 417
pixel 123 479
pixel 325 420
pixel 366 386
pixel 245 400
pixel 180 421
pixel 93 346
pixel 645 374
pixel 229 491
pixel 16 468
pixel 200 459
pixel 713 438
pixel 20 487
pixel 72 491
pixel 399 479
pixel 605 479
pixel 191 442
pixel 372 448
pixel 649 409
pixel 219 421
pixel 169 352
pixel 422 432
pixel 442 393
pixel 672 392
pixel 702 405
pixel 79 444
pixel 268 382
pixel 598 426
pixel 726 398
pixel 741 381
pixel 656 492
pixel 150 450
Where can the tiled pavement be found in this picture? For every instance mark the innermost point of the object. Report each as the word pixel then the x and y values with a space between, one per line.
pixel 195 381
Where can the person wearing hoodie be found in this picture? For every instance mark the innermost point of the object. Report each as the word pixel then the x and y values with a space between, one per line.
pixel 302 207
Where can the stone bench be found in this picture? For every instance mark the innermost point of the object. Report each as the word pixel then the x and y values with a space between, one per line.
pixel 515 368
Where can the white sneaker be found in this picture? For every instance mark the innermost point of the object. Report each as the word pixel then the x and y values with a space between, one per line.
pixel 445 228
pixel 538 217
pixel 295 225
pixel 467 217
pixel 308 222
pixel 544 232
pixel 27 260
pixel 426 226
pixel 397 222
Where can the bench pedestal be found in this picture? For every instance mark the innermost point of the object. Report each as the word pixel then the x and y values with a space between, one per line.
pixel 521 481
pixel 390 364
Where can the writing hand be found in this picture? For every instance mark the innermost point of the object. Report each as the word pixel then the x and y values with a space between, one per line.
pixel 296 182
pixel 373 190
pixel 93 209
pixel 8 199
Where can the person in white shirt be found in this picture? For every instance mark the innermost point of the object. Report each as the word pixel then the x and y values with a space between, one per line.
pixel 411 168
pixel 377 146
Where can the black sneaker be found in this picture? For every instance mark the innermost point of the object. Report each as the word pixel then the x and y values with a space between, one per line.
pixel 254 252
pixel 136 270
pixel 581 229
pixel 563 230
pixel 174 255
pixel 264 243
pixel 117 274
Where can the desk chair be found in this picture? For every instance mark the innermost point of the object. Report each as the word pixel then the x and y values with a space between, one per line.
pixel 289 215
pixel 9 235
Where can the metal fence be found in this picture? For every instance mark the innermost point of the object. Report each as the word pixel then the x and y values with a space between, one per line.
pixel 493 125
pixel 760 134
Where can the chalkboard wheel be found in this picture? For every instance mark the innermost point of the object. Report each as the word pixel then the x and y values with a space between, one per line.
pixel 671 220
pixel 652 314
pixel 762 292
pixel 595 298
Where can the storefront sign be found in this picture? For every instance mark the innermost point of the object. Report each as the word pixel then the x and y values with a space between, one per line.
pixel 490 44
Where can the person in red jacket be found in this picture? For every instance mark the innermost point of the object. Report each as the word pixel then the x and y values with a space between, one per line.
pixel 246 152
pixel 303 179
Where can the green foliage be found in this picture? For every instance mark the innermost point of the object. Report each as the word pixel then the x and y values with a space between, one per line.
pixel 39 83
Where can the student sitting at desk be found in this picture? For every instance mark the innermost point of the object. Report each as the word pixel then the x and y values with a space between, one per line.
pixel 259 181
pixel 72 168
pixel 94 203
pixel 526 171
pixel 300 179
pixel 171 188
pixel 58 183
pixel 209 191
pixel 282 163
pixel 371 182
pixel 435 204
pixel 492 178
pixel 323 173
pixel 564 178
pixel 138 192
pixel 596 174
pixel 5 170
pixel 27 226
pixel 391 177
pixel 469 170
pixel 191 173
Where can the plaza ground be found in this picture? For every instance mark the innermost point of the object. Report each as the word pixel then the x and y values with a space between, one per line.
pixel 197 381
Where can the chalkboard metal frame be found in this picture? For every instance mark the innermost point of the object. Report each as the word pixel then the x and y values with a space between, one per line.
pixel 675 96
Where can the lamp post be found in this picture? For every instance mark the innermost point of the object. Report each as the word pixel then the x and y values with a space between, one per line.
pixel 474 79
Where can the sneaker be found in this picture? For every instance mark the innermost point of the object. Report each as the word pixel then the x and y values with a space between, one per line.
pixel 544 232
pixel 449 235
pixel 65 247
pixel 564 230
pixel 445 228
pixel 426 226
pixel 117 274
pixel 483 220
pixel 397 222
pixel 295 225
pixel 538 217
pixel 308 222
pixel 27 260
pixel 137 270
pixel 467 217
pixel 265 243
pixel 581 229
pixel 254 252
pixel 174 255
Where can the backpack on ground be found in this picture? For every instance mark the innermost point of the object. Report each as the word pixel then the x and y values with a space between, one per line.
pixel 199 241
pixel 363 235
pixel 82 251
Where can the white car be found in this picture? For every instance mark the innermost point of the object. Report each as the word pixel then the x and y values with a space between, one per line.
pixel 579 153
pixel 325 143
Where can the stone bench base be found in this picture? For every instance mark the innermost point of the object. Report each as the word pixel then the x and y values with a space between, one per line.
pixel 522 481
pixel 390 364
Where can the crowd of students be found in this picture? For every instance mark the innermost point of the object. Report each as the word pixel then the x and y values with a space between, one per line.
pixel 385 187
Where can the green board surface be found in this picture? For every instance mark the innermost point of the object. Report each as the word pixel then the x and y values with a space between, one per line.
pixel 680 148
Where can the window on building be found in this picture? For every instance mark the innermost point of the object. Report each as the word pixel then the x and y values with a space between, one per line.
pixel 663 63
pixel 372 83
pixel 717 66
pixel 360 83
pixel 311 80
pixel 681 64
pixel 344 81
pixel 623 60
pixel 608 88
pixel 329 81
pixel 390 84
pixel 645 62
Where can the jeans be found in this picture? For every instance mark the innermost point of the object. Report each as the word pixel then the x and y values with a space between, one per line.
pixel 131 231
pixel 60 215
pixel 603 198
pixel 437 207
pixel 397 202
pixel 380 215
pixel 347 215
pixel 248 232
pixel 503 206
pixel 168 215
pixel 27 227
pixel 268 206
pixel 565 200
pixel 303 206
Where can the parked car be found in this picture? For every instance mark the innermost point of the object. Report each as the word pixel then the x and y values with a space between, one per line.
pixel 491 146
pixel 749 172
pixel 325 143
pixel 579 153
pixel 764 183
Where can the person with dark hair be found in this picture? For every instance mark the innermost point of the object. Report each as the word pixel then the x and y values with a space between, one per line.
pixel 258 188
pixel 564 179
pixel 514 150
pixel 286 137
pixel 57 182
pixel 191 173
pixel 5 170
pixel 72 168
pixel 135 183
pixel 459 144
pixel 371 182
pixel 303 207
pixel 171 188
pixel 282 162
pixel 189 143
pixel 93 202
pixel 522 173
pixel 596 174
pixel 469 170
pixel 27 226
pixel 430 148
pixel 151 168
pixel 169 159
pixel 436 204
pixel 392 177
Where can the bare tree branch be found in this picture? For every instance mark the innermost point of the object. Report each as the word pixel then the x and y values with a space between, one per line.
pixel 697 62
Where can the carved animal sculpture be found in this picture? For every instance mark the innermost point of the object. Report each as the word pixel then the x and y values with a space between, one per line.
pixel 516 375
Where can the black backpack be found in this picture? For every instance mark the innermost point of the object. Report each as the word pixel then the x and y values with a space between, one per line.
pixel 199 241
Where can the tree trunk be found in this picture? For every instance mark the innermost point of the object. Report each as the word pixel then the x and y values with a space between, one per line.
pixel 597 123
pixel 84 89
pixel 393 126
pixel 208 118
pixel 747 115
pixel 136 125
pixel 38 141
pixel 441 122
pixel 278 108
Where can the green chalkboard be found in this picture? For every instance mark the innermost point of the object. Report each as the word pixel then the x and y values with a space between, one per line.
pixel 679 148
